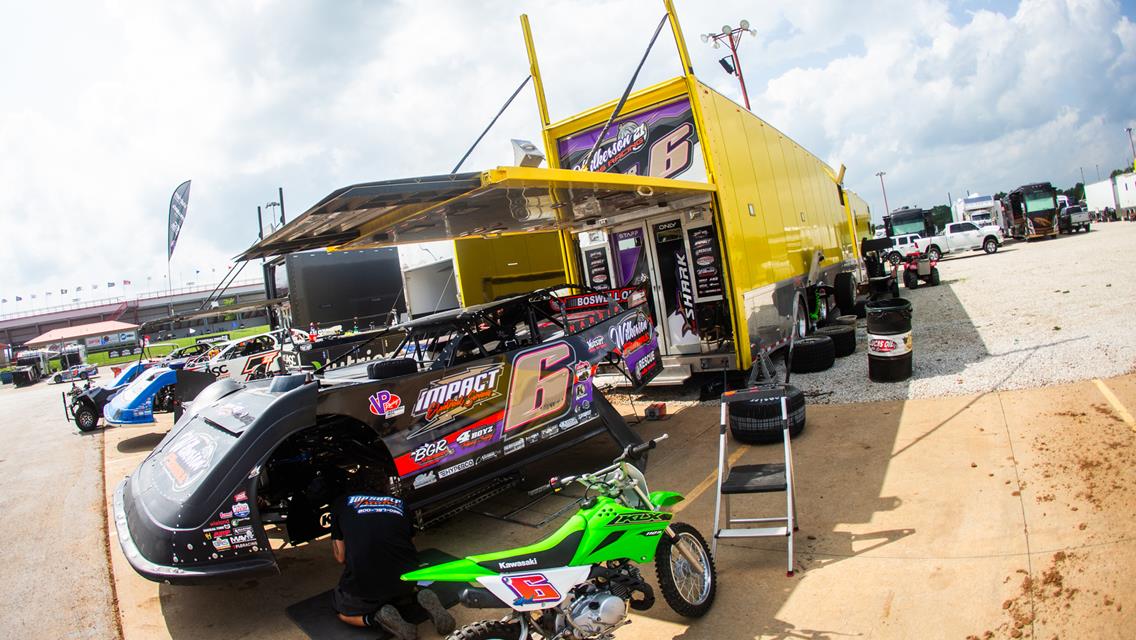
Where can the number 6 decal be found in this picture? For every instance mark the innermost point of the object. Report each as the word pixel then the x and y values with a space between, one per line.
pixel 535 392
pixel 531 588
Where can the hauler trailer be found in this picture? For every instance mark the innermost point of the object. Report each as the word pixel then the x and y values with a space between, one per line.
pixel 1033 211
pixel 714 212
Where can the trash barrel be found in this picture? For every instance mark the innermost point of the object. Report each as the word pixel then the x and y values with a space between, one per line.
pixel 889 340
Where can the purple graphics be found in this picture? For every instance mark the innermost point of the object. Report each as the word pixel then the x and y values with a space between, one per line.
pixel 659 141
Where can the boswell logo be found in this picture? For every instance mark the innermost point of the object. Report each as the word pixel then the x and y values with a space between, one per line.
pixel 386 404
pixel 450 396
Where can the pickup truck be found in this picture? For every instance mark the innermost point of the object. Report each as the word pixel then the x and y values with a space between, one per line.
pixel 960 236
pixel 1073 218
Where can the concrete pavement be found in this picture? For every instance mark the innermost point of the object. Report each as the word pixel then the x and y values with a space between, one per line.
pixel 997 515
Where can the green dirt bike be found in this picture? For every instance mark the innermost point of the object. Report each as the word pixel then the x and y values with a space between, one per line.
pixel 579 582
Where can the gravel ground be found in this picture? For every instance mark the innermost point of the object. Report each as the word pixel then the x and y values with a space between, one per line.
pixel 1030 315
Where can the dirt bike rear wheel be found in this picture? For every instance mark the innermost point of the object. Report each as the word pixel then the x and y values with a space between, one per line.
pixel 488 630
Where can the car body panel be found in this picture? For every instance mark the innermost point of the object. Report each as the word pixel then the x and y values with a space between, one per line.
pixel 135 403
pixel 249 358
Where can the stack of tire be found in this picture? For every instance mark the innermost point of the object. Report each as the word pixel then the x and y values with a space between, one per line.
pixel 758 420
pixel 819 351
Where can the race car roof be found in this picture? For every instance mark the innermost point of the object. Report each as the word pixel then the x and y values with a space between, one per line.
pixel 501 201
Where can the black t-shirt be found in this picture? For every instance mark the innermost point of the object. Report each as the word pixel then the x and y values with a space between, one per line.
pixel 376 532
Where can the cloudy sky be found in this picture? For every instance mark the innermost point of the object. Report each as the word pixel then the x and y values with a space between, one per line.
pixel 105 107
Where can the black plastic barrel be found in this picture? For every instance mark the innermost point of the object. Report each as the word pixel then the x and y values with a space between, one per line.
pixel 889 340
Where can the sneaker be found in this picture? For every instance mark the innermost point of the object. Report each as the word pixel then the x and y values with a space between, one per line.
pixel 392 621
pixel 443 622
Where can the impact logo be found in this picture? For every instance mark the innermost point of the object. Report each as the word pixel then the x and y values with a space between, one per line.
pixel 386 404
pixel 630 137
pixel 453 395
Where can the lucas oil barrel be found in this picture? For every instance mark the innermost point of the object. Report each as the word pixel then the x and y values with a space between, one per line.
pixel 889 340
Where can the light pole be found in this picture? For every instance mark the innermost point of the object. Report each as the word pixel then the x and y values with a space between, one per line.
pixel 880 175
pixel 733 38
pixel 1130 144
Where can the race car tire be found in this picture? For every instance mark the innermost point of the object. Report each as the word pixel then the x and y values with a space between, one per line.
pixel 391 368
pixel 843 338
pixel 845 286
pixel 488 630
pixel 86 419
pixel 812 354
pixel 675 596
pixel 758 421
pixel 849 320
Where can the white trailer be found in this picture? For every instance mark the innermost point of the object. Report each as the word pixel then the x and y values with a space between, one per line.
pixel 983 211
pixel 1100 196
pixel 430 288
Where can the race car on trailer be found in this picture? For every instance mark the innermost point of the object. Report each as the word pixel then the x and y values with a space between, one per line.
pixel 467 399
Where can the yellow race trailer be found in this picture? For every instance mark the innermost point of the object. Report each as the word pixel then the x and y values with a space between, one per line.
pixel 716 213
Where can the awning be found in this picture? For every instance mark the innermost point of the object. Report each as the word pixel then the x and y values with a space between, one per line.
pixel 220 310
pixel 78 332
pixel 502 201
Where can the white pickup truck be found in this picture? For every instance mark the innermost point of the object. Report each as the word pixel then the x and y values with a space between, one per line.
pixel 960 236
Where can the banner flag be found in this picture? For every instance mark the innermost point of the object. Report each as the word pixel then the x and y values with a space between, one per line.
pixel 179 207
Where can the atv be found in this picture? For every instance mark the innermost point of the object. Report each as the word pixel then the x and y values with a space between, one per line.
pixel 920 267
pixel 579 582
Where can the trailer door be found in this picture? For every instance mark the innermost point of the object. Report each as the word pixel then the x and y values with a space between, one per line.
pixel 673 288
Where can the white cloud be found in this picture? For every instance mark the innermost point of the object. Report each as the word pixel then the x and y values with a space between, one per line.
pixel 121 101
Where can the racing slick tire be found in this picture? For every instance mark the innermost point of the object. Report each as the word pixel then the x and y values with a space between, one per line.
pixel 843 338
pixel 672 566
pixel 812 354
pixel 758 421
pixel 910 279
pixel 488 630
pixel 86 419
pixel 990 245
pixel 845 286
pixel 849 320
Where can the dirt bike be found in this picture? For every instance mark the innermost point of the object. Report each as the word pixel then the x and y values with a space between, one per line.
pixel 579 582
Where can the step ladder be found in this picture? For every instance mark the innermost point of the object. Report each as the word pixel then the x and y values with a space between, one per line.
pixel 755 478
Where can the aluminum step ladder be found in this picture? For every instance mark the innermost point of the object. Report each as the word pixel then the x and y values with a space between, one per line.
pixel 755 478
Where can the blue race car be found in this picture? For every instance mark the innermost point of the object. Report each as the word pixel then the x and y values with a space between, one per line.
pixel 151 392
pixel 84 405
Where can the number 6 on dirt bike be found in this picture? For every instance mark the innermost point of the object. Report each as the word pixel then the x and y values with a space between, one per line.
pixel 580 581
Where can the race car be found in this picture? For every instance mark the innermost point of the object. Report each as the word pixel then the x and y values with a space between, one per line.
pixel 251 358
pixel 149 393
pixel 453 414
pixel 85 405
pixel 77 372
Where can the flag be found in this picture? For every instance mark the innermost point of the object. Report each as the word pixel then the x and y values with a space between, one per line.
pixel 94 286
pixel 62 292
pixel 77 289
pixel 179 207
pixel 110 284
pixel 33 296
pixel 3 301
pixel 19 299
pixel 126 283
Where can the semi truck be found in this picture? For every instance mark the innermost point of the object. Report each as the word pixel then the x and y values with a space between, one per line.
pixel 982 211
pixel 1033 211
pixel 684 201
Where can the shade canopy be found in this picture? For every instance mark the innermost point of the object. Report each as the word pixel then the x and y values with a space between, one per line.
pixel 79 332
pixel 501 201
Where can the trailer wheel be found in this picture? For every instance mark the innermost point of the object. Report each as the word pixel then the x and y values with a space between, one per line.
pixel 845 286
pixel 812 354
pixel 910 280
pixel 758 421
pixel 990 245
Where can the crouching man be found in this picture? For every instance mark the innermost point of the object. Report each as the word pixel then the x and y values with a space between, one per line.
pixel 371 535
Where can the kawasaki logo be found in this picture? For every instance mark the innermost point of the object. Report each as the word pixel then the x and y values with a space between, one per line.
pixel 528 562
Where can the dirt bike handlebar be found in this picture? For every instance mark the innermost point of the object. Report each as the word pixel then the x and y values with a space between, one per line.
pixel 631 452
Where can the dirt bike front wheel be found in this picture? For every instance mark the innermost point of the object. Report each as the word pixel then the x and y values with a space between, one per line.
pixel 686 571
pixel 488 630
